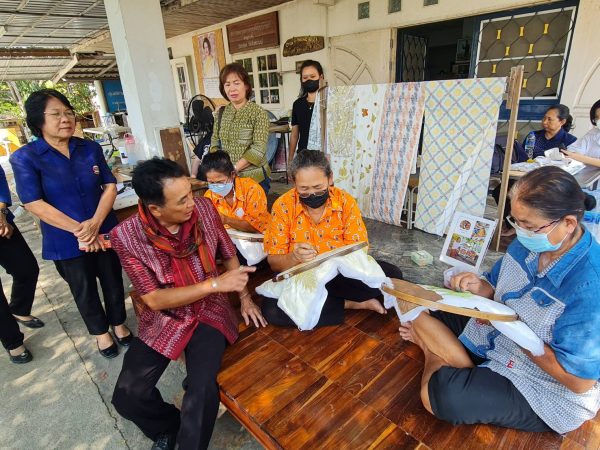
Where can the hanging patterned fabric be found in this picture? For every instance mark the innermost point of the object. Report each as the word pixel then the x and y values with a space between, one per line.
pixel 398 142
pixel 458 144
pixel 341 102
pixel 314 131
pixel 353 133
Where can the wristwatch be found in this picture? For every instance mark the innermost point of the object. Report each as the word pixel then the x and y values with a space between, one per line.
pixel 213 283
pixel 4 211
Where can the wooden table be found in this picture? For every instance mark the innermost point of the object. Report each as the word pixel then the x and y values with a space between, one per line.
pixel 587 177
pixel 354 386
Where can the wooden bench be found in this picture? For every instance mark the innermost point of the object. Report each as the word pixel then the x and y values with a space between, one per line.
pixel 352 386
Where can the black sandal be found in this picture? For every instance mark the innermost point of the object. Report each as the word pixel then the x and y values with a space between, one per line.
pixel 23 358
pixel 31 323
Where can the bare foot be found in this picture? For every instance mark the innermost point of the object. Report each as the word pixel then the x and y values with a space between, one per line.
pixel 17 351
pixel 406 332
pixel 372 305
pixel 104 341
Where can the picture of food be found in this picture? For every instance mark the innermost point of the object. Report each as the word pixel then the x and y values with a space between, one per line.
pixel 465 225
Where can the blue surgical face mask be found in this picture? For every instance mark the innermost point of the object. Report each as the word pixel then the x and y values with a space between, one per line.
pixel 222 189
pixel 537 242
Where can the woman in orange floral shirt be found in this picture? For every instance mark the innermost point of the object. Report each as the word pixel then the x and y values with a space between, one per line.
pixel 315 217
pixel 241 202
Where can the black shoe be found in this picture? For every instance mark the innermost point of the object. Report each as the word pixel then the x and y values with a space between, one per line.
pixel 110 352
pixel 165 442
pixel 125 341
pixel 32 323
pixel 23 358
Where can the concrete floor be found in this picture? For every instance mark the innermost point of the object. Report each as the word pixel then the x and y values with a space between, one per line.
pixel 61 400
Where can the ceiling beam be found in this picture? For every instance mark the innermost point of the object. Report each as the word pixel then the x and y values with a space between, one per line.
pixel 62 72
pixel 84 44
pixel 103 71
pixel 15 53
pixel 50 15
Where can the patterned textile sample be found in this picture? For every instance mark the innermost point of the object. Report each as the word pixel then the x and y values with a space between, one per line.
pixel 314 131
pixel 353 123
pixel 458 144
pixel 402 116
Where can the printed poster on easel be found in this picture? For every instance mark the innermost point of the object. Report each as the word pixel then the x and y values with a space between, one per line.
pixel 467 241
pixel 209 53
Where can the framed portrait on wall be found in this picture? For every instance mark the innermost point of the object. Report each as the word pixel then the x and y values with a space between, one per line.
pixel 210 58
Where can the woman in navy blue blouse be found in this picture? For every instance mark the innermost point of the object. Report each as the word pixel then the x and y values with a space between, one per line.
pixel 556 124
pixel 65 181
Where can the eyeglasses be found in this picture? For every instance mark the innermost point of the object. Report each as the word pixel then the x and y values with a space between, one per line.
pixel 513 222
pixel 308 194
pixel 57 115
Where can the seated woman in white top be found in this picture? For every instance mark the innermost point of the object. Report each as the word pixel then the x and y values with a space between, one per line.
pixel 587 149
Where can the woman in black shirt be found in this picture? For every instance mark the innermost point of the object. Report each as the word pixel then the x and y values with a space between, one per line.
pixel 311 74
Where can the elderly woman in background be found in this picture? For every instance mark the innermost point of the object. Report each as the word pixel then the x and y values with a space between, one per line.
pixel 587 149
pixel 556 124
pixel 65 181
pixel 242 127
pixel 550 276
pixel 18 261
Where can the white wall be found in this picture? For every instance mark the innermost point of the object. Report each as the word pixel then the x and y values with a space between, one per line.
pixel 582 80
pixel 303 17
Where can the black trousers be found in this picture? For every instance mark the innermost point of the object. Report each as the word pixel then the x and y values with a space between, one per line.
pixel 137 399
pixel 339 289
pixel 80 274
pixel 478 394
pixel 18 261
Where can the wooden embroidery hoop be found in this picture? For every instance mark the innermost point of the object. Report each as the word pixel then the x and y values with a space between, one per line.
pixel 319 259
pixel 245 236
pixel 410 295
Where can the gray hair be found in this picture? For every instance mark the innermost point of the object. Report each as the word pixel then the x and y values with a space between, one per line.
pixel 310 158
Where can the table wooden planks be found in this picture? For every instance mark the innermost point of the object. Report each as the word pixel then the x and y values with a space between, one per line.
pixel 352 386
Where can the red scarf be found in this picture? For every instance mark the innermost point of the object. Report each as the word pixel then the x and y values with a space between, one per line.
pixel 179 247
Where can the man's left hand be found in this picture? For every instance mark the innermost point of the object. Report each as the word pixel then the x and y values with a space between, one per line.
pixel 252 312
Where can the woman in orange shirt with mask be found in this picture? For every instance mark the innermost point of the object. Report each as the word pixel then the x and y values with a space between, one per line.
pixel 312 218
pixel 240 202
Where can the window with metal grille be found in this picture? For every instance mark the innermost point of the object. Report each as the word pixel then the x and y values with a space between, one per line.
pixel 363 10
pixel 538 40
pixel 394 6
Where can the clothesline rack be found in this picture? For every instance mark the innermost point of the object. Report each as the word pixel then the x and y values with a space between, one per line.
pixel 513 98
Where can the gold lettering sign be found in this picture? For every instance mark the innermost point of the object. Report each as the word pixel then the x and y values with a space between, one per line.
pixel 251 34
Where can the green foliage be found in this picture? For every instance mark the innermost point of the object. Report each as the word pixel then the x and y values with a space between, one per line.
pixel 79 94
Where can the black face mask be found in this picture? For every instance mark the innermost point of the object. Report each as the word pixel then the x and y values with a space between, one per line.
pixel 315 201
pixel 310 85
